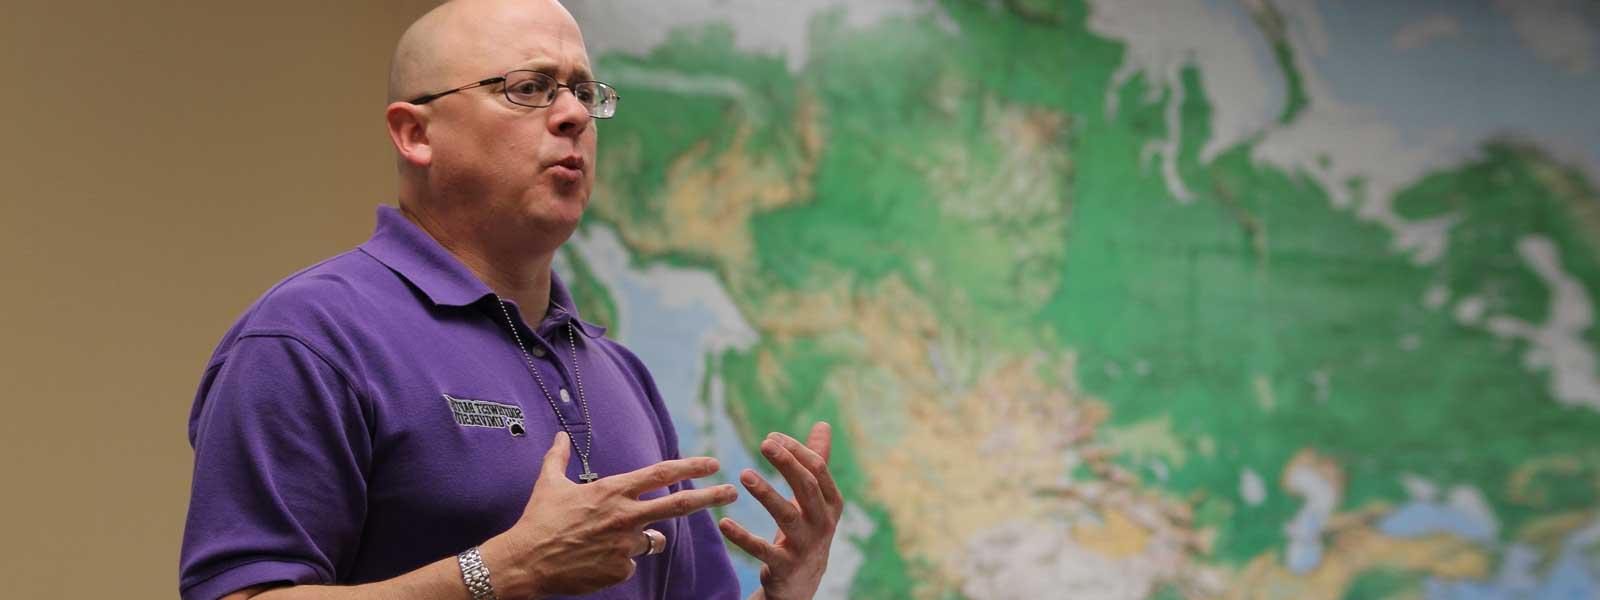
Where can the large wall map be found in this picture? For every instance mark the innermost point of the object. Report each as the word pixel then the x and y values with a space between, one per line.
pixel 1126 299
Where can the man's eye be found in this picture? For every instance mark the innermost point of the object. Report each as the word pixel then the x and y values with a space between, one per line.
pixel 527 88
pixel 585 96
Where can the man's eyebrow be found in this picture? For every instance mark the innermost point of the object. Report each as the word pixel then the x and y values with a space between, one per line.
pixel 549 68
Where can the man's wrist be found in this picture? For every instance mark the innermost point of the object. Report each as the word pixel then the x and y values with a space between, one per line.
pixel 507 572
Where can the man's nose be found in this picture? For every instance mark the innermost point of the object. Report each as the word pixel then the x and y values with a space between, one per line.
pixel 568 116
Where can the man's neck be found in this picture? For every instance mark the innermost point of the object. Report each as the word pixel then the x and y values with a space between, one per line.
pixel 521 277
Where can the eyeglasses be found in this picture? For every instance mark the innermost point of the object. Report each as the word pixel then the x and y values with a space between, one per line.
pixel 537 90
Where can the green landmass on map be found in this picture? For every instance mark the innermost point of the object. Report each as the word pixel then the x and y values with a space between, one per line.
pixel 933 230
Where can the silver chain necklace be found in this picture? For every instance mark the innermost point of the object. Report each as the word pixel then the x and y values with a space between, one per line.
pixel 577 376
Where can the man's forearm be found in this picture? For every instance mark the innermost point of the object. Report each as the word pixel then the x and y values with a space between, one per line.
pixel 441 579
pixel 438 580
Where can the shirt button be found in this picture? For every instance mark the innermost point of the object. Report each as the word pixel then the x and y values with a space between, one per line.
pixel 537 352
pixel 565 397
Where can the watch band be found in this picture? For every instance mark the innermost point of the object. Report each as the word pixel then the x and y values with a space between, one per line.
pixel 475 574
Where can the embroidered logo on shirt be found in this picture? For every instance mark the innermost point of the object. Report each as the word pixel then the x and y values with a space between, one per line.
pixel 483 413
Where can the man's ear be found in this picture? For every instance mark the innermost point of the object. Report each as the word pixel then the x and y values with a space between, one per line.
pixel 408 129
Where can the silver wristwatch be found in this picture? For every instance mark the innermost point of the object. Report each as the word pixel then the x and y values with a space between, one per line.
pixel 476 574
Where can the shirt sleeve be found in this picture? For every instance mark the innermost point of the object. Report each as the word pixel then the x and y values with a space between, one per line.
pixel 282 449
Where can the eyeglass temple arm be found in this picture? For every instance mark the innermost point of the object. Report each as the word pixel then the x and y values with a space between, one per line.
pixel 431 97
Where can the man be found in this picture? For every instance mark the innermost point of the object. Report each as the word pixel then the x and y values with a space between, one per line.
pixel 373 425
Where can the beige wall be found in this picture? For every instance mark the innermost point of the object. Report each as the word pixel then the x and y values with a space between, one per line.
pixel 162 166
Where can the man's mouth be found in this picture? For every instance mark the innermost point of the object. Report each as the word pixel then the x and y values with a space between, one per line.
pixel 569 168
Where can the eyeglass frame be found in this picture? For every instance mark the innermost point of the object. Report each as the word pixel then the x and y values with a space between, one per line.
pixel 506 91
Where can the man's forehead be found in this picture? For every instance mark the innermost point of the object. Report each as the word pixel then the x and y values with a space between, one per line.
pixel 540 46
pixel 506 34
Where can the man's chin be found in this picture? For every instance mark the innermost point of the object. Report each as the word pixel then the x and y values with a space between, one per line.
pixel 565 190
pixel 555 212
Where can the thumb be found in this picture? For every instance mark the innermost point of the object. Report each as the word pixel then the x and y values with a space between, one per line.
pixel 555 461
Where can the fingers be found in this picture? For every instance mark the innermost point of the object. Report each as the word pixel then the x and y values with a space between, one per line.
pixel 641 545
pixel 821 440
pixel 663 474
pixel 756 547
pixel 555 460
pixel 684 503
pixel 817 464
pixel 800 479
pixel 783 511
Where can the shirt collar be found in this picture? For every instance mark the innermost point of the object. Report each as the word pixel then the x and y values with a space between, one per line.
pixel 419 259
pixel 563 310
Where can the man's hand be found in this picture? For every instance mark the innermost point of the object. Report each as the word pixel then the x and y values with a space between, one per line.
pixel 574 539
pixel 792 564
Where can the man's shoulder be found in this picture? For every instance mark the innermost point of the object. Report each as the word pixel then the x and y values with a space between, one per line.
pixel 629 363
pixel 319 298
pixel 621 354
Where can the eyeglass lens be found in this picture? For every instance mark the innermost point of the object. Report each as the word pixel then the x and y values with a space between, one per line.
pixel 535 89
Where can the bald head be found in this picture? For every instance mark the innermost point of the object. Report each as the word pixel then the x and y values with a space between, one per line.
pixel 464 40
pixel 492 178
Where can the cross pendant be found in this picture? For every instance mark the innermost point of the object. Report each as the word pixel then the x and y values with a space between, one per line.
pixel 588 473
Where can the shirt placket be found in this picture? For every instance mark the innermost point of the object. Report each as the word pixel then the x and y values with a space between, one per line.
pixel 550 358
pixel 554 356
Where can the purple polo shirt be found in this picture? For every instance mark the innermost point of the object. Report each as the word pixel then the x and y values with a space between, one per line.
pixel 372 414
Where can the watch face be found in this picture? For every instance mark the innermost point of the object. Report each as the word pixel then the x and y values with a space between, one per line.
pixel 516 428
